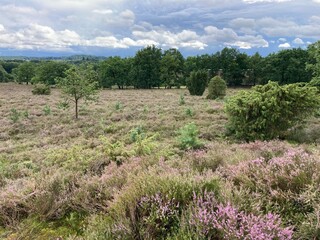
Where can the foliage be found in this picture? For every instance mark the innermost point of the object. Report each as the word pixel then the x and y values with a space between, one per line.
pixel 14 115
pixel 269 111
pixel 116 151
pixel 286 67
pixel 47 110
pixel 24 72
pixel 146 68
pixel 41 89
pixel 118 106
pixel 213 220
pixel 136 134
pixel 315 82
pixel 47 72
pixel 4 76
pixel 172 68
pixel 79 83
pixel 189 112
pixel 216 88
pixel 144 145
pixel 286 184
pixel 197 82
pixel 159 216
pixel 181 100
pixel 314 54
pixel 114 71
pixel 188 137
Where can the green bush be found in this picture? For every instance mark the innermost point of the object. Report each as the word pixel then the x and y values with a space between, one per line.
pixel 188 137
pixel 269 111
pixel 217 88
pixel 197 82
pixel 41 89
pixel 14 115
pixel 315 82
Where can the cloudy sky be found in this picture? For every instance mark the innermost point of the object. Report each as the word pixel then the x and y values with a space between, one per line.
pixel 121 27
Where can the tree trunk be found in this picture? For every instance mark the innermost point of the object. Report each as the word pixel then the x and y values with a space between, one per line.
pixel 76 108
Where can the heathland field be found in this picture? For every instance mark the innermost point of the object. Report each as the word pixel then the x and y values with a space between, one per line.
pixel 149 164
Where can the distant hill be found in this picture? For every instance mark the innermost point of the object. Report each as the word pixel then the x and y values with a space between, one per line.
pixel 68 58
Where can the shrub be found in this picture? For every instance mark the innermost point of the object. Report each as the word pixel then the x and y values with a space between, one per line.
pixel 197 82
pixel 181 100
pixel 115 151
pixel 158 215
pixel 315 82
pixel 269 111
pixel 218 221
pixel 286 184
pixel 216 88
pixel 137 209
pixel 189 112
pixel 47 110
pixel 41 89
pixel 14 115
pixel 188 137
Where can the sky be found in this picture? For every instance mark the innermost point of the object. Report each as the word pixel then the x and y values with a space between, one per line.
pixel 122 27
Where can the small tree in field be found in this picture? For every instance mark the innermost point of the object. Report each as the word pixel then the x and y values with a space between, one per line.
pixel 216 88
pixel 79 83
pixel 197 82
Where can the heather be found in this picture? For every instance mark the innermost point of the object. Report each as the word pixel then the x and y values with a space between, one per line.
pixel 149 164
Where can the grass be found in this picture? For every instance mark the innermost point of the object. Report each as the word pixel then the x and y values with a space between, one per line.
pixel 54 167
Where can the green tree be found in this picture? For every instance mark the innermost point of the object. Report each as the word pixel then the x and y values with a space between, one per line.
pixel 47 72
pixel 146 66
pixel 197 82
pixel 286 66
pixel 254 71
pixel 4 76
pixel 216 88
pixel 9 66
pixel 114 71
pixel 79 83
pixel 25 72
pixel 268 111
pixel 314 63
pixel 172 68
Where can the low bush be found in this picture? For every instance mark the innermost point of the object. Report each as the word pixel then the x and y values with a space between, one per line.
pixel 197 82
pixel 216 88
pixel 285 184
pixel 188 137
pixel 213 220
pixel 150 205
pixel 41 89
pixel 269 111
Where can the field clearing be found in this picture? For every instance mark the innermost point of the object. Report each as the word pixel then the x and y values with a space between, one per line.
pixel 60 176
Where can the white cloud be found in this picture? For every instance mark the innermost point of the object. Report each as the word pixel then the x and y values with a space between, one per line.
pixel 298 41
pixel 284 45
pixel 165 38
pixel 285 28
pixel 282 40
pixel 270 1
pixel 102 11
pixel 229 37
pixel 243 25
pixel 2 28
pixel 248 42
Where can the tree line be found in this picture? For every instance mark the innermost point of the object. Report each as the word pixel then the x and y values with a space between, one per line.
pixel 152 68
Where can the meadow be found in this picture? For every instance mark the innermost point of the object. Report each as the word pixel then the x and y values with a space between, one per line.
pixel 126 169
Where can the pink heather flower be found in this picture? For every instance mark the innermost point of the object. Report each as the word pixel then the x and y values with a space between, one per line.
pixel 217 220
